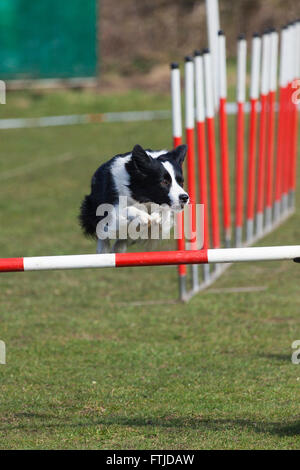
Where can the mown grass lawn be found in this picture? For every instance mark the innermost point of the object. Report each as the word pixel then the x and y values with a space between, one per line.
pixel 88 368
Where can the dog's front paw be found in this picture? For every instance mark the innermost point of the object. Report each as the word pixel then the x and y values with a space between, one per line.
pixel 156 218
pixel 144 220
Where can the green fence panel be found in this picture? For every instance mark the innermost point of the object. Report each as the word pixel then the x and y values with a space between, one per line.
pixel 48 39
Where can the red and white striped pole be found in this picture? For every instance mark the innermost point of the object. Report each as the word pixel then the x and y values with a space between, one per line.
pixel 210 123
pixel 191 168
pixel 296 110
pixel 262 133
pixel 279 179
pixel 294 114
pixel 155 258
pixel 224 139
pixel 271 128
pixel 254 94
pixel 202 170
pixel 291 60
pixel 241 95
pixel 287 125
pixel 177 140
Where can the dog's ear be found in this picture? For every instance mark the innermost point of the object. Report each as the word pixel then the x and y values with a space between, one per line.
pixel 143 162
pixel 179 154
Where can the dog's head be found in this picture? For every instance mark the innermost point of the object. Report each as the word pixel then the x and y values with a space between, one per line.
pixel 157 176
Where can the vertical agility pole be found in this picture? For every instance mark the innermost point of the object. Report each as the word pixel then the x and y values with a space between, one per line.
pixel 202 170
pixel 295 87
pixel 287 126
pixel 279 180
pixel 254 93
pixel 190 140
pixel 177 140
pixel 294 111
pixel 210 123
pixel 262 133
pixel 213 26
pixel 271 128
pixel 224 139
pixel 241 95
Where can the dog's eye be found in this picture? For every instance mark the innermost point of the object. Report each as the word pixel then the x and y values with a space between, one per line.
pixel 180 181
pixel 165 182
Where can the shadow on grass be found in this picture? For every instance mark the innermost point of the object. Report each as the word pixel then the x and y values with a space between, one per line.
pixel 199 424
pixel 276 357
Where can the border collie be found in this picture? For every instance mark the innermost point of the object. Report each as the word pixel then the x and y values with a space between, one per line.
pixel 142 178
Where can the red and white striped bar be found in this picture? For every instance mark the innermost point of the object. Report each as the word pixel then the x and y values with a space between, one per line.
pixel 254 94
pixel 191 167
pixel 118 260
pixel 241 95
pixel 210 122
pixel 271 128
pixel 177 140
pixel 202 169
pixel 224 139
pixel 265 83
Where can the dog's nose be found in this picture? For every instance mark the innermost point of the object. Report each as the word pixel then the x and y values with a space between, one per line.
pixel 183 198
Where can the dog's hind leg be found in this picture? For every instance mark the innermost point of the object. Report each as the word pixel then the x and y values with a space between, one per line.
pixel 120 246
pixel 103 246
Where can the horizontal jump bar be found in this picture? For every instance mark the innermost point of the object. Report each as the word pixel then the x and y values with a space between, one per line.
pixel 226 255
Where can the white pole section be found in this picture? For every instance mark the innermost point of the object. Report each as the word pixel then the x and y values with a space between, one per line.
pixel 199 87
pixel 176 100
pixel 241 69
pixel 255 67
pixel 265 74
pixel 236 255
pixel 213 26
pixel 69 262
pixel 189 93
pixel 209 97
pixel 222 66
pixel 274 61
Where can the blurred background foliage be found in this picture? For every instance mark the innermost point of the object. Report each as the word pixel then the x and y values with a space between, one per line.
pixel 138 36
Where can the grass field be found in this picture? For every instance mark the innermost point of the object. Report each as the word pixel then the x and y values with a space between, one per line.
pixel 88 368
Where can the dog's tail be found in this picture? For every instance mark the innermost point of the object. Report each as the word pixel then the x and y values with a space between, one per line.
pixel 87 217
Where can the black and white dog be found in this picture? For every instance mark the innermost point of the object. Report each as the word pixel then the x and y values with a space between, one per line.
pixel 141 178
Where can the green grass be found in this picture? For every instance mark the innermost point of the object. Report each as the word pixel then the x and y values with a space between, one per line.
pixel 86 368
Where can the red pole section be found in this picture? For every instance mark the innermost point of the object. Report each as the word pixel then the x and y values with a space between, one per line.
pixel 202 170
pixel 262 134
pixel 241 93
pixel 279 180
pixel 254 93
pixel 177 140
pixel 271 127
pixel 224 139
pixel 211 150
